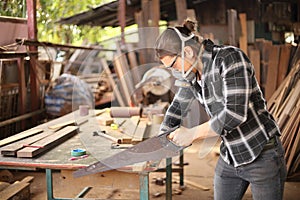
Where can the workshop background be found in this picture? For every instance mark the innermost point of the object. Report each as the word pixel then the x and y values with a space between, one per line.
pixel 75 70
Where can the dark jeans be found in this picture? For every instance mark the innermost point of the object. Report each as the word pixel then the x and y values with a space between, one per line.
pixel 266 176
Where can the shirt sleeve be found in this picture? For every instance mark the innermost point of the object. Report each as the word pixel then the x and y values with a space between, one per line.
pixel 236 74
pixel 178 109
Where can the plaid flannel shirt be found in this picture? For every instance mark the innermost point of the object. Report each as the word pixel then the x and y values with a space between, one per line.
pixel 229 92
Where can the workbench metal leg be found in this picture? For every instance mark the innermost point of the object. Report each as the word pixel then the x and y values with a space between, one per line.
pixel 49 183
pixel 181 174
pixel 144 186
pixel 169 179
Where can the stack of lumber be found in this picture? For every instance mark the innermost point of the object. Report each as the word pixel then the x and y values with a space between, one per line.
pixel 284 105
pixel 17 190
pixel 271 63
pixel 31 143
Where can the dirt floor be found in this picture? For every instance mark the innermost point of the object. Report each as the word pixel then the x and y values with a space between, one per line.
pixel 198 171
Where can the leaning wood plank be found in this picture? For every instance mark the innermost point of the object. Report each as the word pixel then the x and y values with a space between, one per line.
pixel 293 100
pixel 112 82
pixel 17 190
pixel 254 56
pixel 285 132
pixel 27 179
pixel 11 149
pixel 297 162
pixel 19 136
pixel 48 142
pixel 243 37
pixel 272 71
pixel 294 145
pixel 285 51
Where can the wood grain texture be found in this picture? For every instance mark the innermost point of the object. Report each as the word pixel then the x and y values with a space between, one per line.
pixel 11 149
pixel 19 136
pixel 48 142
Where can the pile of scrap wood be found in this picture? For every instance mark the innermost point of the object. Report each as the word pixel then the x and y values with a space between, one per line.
pixel 10 189
pixel 99 84
pixel 284 105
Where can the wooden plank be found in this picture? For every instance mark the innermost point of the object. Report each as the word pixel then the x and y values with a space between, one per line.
pixel 63 124
pixel 286 130
pixel 128 129
pixel 11 149
pixel 113 83
pixel 137 77
pixel 232 20
pixel 140 132
pixel 181 11
pixel 272 71
pixel 293 99
pixel 3 185
pixel 297 161
pixel 122 69
pixel 243 37
pixel 285 51
pixel 265 47
pixel 19 136
pixel 254 56
pixel 48 142
pixel 19 190
pixel 294 144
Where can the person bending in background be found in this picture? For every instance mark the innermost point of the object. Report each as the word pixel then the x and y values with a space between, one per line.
pixel 222 78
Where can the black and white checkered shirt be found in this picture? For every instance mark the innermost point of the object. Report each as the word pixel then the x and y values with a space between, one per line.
pixel 229 92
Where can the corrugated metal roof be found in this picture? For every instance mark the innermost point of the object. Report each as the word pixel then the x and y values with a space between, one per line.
pixel 107 14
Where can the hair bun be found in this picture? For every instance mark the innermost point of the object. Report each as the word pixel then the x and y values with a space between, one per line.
pixel 190 25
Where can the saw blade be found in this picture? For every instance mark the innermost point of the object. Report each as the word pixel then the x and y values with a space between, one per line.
pixel 152 149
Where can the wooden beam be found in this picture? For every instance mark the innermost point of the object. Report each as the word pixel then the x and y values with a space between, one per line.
pixel 49 142
pixel 122 18
pixel 18 190
pixel 59 46
pixel 181 11
pixel 243 38
pixel 21 117
pixel 11 149
pixel 20 136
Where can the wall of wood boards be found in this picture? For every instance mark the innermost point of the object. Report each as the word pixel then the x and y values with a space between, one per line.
pixel 271 63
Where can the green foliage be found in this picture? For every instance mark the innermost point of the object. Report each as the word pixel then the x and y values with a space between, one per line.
pixel 51 11
pixel 12 8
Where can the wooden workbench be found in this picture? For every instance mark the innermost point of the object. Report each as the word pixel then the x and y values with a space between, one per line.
pixel 96 146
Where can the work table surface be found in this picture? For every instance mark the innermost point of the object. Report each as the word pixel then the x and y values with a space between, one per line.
pixel 58 157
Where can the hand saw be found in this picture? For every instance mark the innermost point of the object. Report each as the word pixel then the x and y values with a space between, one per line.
pixel 152 149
